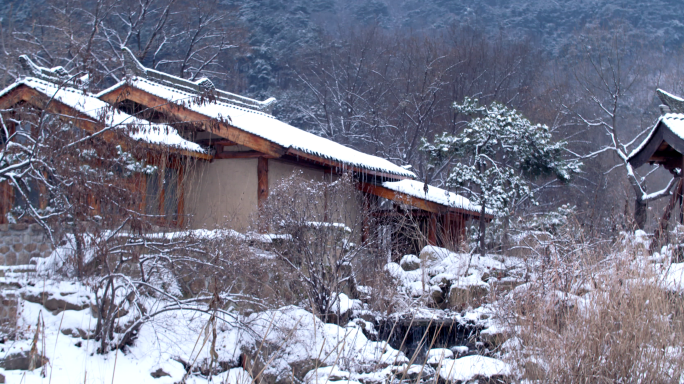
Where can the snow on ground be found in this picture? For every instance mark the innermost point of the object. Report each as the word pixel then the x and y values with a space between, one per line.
pixel 673 277
pixel 162 343
pixel 180 336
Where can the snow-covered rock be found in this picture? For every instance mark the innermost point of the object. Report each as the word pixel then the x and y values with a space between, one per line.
pixel 344 304
pixel 472 367
pixel 409 262
pixel 459 350
pixel 432 255
pixel 437 355
pixel 58 296
pixel 467 290
pixel 321 375
pixel 301 342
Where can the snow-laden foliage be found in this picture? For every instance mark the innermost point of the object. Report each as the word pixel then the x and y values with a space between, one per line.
pixel 501 153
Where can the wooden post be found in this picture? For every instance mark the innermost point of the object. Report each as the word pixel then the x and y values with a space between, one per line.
pixel 180 191
pixel 262 179
pixel 262 188
pixel 5 200
pixel 365 230
pixel 432 229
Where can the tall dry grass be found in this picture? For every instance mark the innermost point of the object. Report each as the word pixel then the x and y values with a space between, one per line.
pixel 595 314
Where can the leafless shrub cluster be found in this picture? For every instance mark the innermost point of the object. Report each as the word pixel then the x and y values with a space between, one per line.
pixel 320 236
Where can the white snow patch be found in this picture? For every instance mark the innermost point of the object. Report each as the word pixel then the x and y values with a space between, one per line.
pixel 468 367
pixel 437 355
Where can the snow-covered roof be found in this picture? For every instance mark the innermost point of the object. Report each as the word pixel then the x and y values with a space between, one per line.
pixel 267 127
pixel 415 188
pixel 673 121
pixel 99 110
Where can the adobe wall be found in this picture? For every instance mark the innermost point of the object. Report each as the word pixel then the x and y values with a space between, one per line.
pixel 279 170
pixel 222 193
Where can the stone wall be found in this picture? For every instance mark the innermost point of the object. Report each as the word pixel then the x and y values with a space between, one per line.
pixel 8 312
pixel 21 242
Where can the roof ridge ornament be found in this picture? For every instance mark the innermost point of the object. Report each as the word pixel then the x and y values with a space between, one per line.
pixel 134 68
pixel 57 75
pixel 671 103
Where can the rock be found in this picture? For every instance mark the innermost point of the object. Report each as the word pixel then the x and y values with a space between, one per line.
pixel 432 255
pixel 505 285
pixel 460 350
pixel 492 337
pixel 437 295
pixel 159 373
pixel 470 290
pixel 410 263
pixel 255 359
pixel 76 333
pixel 325 374
pixel 2 378
pixel 436 356
pixel 22 361
pixel 413 372
pixel 481 368
pixel 52 303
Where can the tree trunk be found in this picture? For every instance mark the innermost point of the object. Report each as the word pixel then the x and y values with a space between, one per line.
pixel 640 213
pixel 482 230
pixel 504 238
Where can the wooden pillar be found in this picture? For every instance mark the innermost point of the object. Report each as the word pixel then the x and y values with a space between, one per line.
pixel 432 229
pixel 462 229
pixel 365 229
pixel 6 200
pixel 262 188
pixel 262 179
pixel 180 191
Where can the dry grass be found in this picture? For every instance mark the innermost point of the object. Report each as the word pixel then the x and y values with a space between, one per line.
pixel 591 316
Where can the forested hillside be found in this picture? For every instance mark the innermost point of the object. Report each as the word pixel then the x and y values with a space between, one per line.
pixel 381 76
pixel 445 191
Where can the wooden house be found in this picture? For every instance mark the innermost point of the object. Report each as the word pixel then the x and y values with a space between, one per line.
pixel 237 149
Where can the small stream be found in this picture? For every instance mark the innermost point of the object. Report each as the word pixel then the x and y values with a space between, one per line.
pixel 419 335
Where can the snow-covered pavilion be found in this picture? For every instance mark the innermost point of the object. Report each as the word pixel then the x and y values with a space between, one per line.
pixel 240 147
pixel 664 144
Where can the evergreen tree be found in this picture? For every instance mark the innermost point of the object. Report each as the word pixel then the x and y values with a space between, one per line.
pixel 501 153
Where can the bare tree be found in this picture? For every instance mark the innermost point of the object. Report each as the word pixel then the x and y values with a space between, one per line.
pixel 612 76
pixel 189 38
pixel 382 92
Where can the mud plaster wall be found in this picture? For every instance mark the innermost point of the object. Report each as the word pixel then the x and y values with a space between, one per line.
pixel 278 170
pixel 222 193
